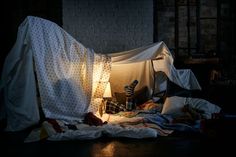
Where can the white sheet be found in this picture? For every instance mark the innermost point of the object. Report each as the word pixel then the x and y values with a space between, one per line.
pixel 71 78
pixel 110 130
pixel 173 106
pixel 19 86
pixel 140 64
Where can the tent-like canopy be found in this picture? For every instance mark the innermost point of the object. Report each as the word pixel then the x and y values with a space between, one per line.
pixel 47 67
pixel 142 63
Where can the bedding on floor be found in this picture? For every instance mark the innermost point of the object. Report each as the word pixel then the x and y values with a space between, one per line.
pixel 146 121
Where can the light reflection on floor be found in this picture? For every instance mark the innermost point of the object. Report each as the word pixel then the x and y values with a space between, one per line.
pixel 100 150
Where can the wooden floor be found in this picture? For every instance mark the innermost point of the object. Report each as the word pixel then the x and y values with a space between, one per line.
pixel 123 148
pixel 177 144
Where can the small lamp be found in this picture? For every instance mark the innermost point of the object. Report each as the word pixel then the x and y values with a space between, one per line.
pixel 107 93
pixel 106 96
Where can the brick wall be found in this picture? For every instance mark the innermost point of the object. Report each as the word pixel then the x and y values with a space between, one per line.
pixel 109 25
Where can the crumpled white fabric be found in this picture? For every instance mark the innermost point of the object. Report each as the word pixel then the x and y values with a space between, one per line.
pixel 71 78
pixel 67 72
pixel 18 85
pixel 110 130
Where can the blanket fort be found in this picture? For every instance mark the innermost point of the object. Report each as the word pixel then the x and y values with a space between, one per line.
pixel 70 79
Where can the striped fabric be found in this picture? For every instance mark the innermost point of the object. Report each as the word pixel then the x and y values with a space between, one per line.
pixel 129 89
pixel 129 92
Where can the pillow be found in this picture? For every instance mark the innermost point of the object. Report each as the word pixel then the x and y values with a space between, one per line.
pixel 173 105
pixel 140 96
pixel 207 107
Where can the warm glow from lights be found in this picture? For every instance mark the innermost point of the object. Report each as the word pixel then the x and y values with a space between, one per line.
pixel 104 150
pixel 107 93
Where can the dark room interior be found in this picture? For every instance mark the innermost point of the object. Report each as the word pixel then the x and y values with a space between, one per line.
pixel 201 36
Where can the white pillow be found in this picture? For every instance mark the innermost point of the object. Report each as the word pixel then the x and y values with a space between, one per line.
pixel 203 105
pixel 173 105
